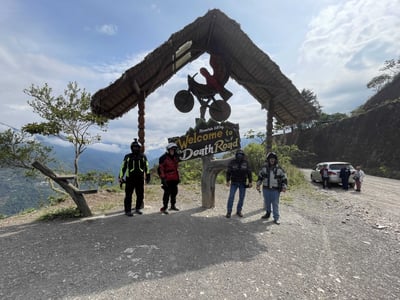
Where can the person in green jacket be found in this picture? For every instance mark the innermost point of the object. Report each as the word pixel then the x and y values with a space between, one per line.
pixel 134 172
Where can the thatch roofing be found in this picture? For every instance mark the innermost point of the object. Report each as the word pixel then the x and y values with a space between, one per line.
pixel 213 33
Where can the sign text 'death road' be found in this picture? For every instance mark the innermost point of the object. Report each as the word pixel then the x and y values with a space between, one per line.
pixel 208 140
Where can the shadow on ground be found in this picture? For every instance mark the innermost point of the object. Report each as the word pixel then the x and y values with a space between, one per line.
pixel 81 257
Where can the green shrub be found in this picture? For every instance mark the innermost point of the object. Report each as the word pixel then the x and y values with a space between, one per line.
pixel 61 213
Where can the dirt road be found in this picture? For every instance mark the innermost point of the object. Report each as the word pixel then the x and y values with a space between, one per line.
pixel 330 245
pixel 379 200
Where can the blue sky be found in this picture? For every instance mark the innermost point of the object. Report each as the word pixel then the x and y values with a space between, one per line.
pixel 333 47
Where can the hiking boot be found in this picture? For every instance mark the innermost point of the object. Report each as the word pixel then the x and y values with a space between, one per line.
pixel 138 212
pixel 239 214
pixel 277 222
pixel 267 215
pixel 228 215
pixel 164 210
pixel 174 208
pixel 129 214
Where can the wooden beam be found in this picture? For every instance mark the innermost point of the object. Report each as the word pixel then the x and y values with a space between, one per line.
pixel 270 119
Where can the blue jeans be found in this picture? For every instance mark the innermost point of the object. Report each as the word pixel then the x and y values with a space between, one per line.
pixel 271 198
pixel 242 192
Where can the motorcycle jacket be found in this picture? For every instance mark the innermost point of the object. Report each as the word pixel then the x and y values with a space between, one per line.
pixel 238 171
pixel 272 177
pixel 168 167
pixel 134 165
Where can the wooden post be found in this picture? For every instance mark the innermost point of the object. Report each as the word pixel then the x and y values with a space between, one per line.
pixel 141 121
pixel 211 168
pixel 270 118
pixel 141 126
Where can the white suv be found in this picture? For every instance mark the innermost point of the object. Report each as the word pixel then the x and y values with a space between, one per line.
pixel 333 171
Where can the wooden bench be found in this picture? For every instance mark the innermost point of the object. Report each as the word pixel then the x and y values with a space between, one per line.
pixel 75 193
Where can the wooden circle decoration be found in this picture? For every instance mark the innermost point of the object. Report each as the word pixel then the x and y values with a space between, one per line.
pixel 220 110
pixel 184 101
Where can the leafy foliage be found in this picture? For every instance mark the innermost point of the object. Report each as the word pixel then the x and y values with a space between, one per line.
pixel 331 118
pixel 20 150
pixel 67 116
pixel 379 82
pixel 255 154
pixel 311 98
pixel 190 171
pixel 95 178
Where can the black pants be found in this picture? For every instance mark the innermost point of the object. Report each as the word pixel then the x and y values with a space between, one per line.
pixel 345 183
pixel 170 191
pixel 325 182
pixel 137 185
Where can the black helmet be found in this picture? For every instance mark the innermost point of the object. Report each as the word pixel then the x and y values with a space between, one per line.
pixel 239 153
pixel 135 145
pixel 271 155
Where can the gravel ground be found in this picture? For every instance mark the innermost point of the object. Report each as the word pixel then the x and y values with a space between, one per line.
pixel 331 244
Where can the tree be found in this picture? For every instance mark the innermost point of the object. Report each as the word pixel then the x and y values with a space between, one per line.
pixel 331 118
pixel 255 154
pixel 392 65
pixel 259 136
pixel 20 150
pixel 67 116
pixel 311 98
pixel 378 82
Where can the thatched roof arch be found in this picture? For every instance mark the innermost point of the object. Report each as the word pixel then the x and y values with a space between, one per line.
pixel 249 66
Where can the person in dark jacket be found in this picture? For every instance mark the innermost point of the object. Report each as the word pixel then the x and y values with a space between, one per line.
pixel 169 174
pixel 237 175
pixel 273 180
pixel 135 169
pixel 345 175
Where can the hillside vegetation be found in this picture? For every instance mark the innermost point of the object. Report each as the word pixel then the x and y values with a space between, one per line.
pixel 370 138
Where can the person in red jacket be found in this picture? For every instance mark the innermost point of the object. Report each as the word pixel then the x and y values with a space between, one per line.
pixel 169 174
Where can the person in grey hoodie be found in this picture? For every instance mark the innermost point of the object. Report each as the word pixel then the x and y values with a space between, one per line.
pixel 273 180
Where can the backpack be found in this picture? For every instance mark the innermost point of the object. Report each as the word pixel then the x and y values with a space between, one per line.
pixel 160 161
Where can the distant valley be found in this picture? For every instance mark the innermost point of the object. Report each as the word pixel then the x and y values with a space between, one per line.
pixel 18 193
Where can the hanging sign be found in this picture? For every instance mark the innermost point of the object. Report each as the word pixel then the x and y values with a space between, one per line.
pixel 207 139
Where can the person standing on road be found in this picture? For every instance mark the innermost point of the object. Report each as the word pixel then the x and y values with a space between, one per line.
pixel 237 174
pixel 273 180
pixel 345 175
pixel 169 175
pixel 358 178
pixel 325 176
pixel 136 168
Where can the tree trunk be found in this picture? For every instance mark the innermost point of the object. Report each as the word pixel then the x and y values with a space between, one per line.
pixel 75 193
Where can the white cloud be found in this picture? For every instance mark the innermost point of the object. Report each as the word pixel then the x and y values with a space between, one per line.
pixel 107 29
pixel 348 42
pixel 106 147
pixel 344 47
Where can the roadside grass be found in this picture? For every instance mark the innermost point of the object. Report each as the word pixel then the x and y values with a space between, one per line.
pixel 60 213
pixel 298 185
